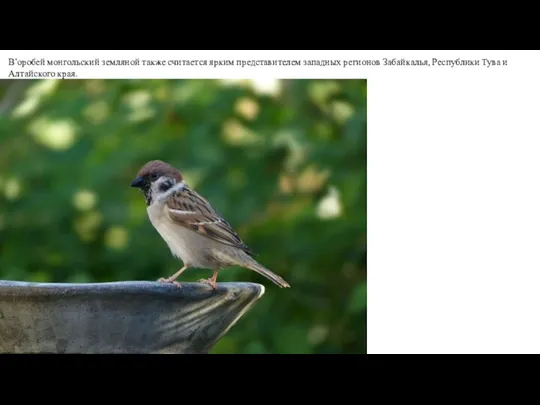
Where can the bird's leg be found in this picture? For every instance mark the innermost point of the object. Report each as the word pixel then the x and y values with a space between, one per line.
pixel 211 281
pixel 172 278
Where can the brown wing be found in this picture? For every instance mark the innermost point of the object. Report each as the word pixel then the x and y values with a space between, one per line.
pixel 190 210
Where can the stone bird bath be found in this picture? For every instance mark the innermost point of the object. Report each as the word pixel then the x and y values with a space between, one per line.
pixel 119 317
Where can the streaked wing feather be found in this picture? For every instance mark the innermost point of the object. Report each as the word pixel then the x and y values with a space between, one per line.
pixel 190 210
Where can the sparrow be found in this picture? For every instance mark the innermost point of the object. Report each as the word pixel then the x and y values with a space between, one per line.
pixel 193 230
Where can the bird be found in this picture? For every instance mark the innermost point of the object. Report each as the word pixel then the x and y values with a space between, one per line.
pixel 193 230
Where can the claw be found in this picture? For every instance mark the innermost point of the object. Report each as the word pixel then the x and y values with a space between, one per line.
pixel 209 281
pixel 169 281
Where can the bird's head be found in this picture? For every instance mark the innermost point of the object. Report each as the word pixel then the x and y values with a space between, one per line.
pixel 156 178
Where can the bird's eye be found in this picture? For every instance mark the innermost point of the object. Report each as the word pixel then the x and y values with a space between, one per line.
pixel 153 176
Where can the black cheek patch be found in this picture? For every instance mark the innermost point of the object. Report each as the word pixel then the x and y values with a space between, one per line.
pixel 165 186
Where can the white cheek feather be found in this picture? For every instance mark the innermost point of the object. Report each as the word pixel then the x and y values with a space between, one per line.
pixel 161 197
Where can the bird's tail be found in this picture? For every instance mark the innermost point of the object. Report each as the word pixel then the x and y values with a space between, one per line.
pixel 263 271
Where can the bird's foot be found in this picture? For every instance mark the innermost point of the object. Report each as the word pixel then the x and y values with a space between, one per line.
pixel 209 281
pixel 168 280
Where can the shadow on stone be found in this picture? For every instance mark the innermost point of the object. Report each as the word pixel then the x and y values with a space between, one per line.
pixel 119 317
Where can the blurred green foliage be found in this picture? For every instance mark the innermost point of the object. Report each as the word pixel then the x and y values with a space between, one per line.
pixel 283 161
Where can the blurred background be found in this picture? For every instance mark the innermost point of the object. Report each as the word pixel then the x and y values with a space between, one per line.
pixel 284 161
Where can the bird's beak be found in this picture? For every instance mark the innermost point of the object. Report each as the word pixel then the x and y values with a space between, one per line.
pixel 138 182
